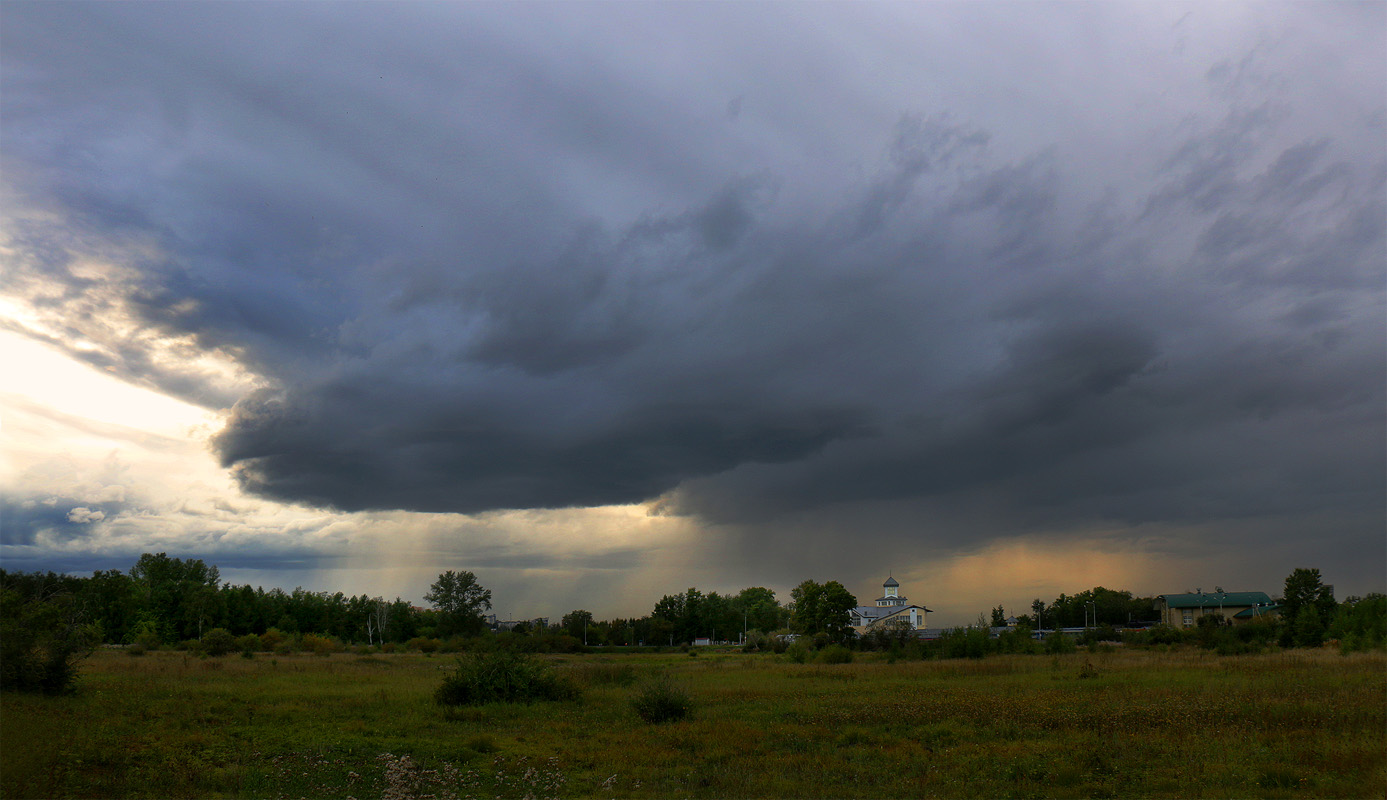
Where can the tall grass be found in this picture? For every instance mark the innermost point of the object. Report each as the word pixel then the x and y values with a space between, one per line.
pixel 1181 723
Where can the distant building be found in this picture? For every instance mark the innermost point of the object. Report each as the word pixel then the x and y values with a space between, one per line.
pixel 537 624
pixel 891 609
pixel 1184 610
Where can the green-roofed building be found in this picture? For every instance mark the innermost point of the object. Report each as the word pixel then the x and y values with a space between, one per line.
pixel 1184 610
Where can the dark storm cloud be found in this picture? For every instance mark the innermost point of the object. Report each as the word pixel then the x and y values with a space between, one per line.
pixel 479 264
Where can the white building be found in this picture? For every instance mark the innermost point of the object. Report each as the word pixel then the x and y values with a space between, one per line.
pixel 891 609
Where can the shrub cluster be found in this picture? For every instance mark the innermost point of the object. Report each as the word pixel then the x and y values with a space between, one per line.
pixel 218 642
pixel 834 654
pixel 502 677
pixel 41 643
pixel 662 701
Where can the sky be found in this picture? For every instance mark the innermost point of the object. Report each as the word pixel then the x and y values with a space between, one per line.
pixel 601 301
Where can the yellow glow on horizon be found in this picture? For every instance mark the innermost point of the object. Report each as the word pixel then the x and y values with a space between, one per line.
pixel 1012 573
pixel 50 379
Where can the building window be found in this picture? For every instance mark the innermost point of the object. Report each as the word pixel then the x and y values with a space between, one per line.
pixel 1189 617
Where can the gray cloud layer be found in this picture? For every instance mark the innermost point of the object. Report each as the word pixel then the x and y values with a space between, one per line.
pixel 752 260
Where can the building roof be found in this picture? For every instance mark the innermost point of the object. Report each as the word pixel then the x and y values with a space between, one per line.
pixel 874 613
pixel 1215 599
pixel 890 581
pixel 1257 611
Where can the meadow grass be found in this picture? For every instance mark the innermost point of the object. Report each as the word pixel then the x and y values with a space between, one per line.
pixel 1120 724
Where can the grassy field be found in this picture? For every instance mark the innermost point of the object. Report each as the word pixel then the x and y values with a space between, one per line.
pixel 1120 724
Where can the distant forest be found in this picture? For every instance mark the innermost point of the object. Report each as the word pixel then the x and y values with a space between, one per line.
pixel 164 600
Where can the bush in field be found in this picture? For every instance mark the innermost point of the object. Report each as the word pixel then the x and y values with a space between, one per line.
pixel 1057 643
pixel 320 645
pixel 1018 640
pixel 250 643
pixel 1159 635
pixel 963 643
pixel 218 642
pixel 455 644
pixel 502 677
pixel 41 643
pixel 834 654
pixel 271 639
pixel 1102 633
pixel 422 644
pixel 146 640
pixel 800 651
pixel 661 701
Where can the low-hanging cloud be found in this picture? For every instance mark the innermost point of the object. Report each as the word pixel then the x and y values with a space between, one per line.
pixel 458 279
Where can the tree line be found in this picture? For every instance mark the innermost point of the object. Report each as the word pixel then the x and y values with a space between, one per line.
pixel 48 620
pixel 165 600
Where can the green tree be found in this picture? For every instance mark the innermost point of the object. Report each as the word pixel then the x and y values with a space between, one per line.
pixel 1304 587
pixel 1305 590
pixel 1360 623
pixel 685 614
pixel 576 624
pixel 108 599
pixel 821 608
pixel 999 617
pixel 175 591
pixel 459 601
pixel 1307 628
pixel 759 609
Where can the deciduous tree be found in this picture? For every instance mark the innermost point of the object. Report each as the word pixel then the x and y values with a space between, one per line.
pixel 459 601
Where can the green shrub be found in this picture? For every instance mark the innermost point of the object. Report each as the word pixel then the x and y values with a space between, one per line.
pixel 422 644
pixel 800 650
pixel 250 643
pixel 1360 623
pixel 271 639
pixel 218 642
pixel 834 654
pixel 1057 643
pixel 1159 635
pixel 661 701
pixel 964 643
pixel 148 640
pixel 41 643
pixel 320 645
pixel 502 677
pixel 455 644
